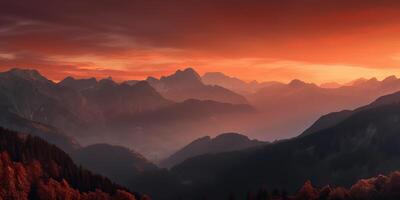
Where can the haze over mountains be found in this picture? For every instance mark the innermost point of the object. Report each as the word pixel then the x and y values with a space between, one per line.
pixel 188 84
pixel 287 109
pixel 286 100
pixel 114 129
pixel 105 111
pixel 298 104
pixel 234 84
pixel 147 114
pixel 362 145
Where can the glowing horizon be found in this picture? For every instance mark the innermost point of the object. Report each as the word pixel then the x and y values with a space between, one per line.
pixel 318 42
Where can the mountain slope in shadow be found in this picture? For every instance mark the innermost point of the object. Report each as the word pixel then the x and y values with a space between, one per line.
pixel 115 162
pixel 362 145
pixel 34 169
pixel 207 145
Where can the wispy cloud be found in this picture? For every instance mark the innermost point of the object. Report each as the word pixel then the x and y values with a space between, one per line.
pixel 309 39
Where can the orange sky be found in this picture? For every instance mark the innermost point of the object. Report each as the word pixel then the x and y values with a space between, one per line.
pixel 313 40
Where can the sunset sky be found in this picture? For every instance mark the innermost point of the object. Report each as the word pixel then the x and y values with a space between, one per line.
pixel 313 40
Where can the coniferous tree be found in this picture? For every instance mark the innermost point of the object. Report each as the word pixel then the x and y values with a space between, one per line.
pixel 250 196
pixel 231 196
pixel 263 194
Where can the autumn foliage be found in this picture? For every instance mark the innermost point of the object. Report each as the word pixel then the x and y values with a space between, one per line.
pixel 380 187
pixel 28 181
pixel 376 188
pixel 30 168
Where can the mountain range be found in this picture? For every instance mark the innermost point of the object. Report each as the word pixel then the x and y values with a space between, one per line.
pixel 361 145
pixel 158 117
pixel 143 114
pixel 293 107
pixel 89 110
pixel 233 83
pixel 104 111
pixel 187 84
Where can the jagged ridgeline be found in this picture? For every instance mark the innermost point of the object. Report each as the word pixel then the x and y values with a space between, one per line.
pixel 24 156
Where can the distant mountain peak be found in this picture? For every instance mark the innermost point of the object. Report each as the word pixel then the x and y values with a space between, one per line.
pixel 70 79
pixel 144 86
pixel 297 83
pixel 27 74
pixel 190 70
pixel 78 84
pixel 107 81
pixel 188 73
pixel 151 78
pixel 357 81
pixel 181 78
pixel 390 78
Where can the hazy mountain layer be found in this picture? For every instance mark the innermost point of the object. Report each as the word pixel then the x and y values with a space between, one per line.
pixel 362 145
pixel 287 109
pixel 187 84
pixel 108 112
pixel 234 84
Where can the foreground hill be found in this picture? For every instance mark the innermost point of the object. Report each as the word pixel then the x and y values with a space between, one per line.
pixel 30 168
pixel 205 145
pixel 187 84
pixel 117 163
pixel 362 145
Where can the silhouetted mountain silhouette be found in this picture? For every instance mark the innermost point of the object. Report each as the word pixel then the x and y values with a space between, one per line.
pixel 205 145
pixel 115 162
